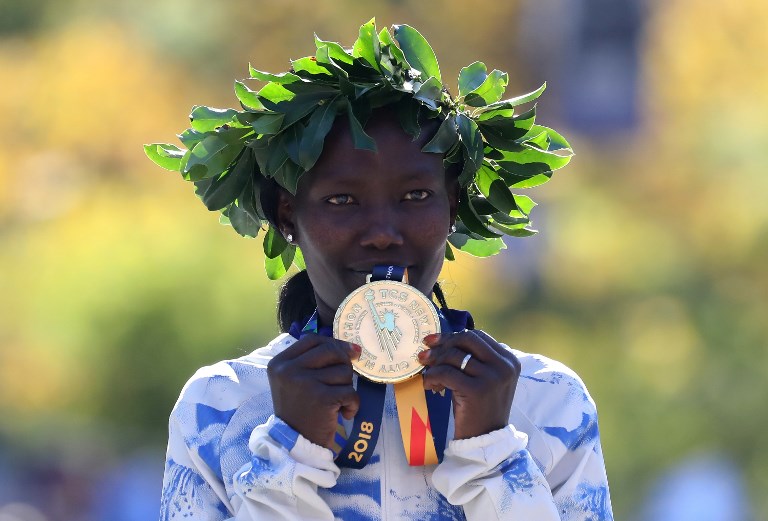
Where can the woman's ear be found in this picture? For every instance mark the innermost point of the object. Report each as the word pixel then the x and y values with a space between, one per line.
pixel 285 206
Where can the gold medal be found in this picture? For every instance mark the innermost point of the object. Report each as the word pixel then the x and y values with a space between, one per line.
pixel 388 319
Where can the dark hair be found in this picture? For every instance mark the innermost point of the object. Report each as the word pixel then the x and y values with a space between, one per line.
pixel 296 301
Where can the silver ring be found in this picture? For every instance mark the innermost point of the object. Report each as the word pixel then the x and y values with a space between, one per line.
pixel 465 361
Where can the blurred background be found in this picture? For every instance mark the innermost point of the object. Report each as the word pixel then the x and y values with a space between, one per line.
pixel 648 277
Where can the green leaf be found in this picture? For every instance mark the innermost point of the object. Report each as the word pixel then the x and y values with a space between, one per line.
pixel 288 174
pixel 306 98
pixel 243 223
pixel 346 87
pixel 205 119
pixel 495 190
pixel 194 173
pixel 313 137
pixel 540 141
pixel 214 153
pixel 274 93
pixel 248 98
pixel 556 141
pixel 282 78
pixel 360 138
pixel 192 137
pixel 491 90
pixel 532 181
pixel 446 136
pixel 408 116
pixel 225 188
pixel 429 92
pixel 278 266
pixel 528 161
pixel 525 203
pixel 201 186
pixel 514 102
pixel 417 51
pixel 476 247
pixel 328 52
pixel 471 219
pixel 367 45
pixel 395 53
pixel 272 157
pixel 165 155
pixel 274 243
pixel 250 199
pixel 308 67
pixel 267 123
pixel 292 141
pixel 501 113
pixel 501 131
pixel 514 219
pixel 243 119
pixel 516 231
pixel 298 259
pixel 449 252
pixel 471 77
pixel 482 206
pixel 472 140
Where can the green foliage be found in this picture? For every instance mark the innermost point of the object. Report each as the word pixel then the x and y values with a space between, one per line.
pixel 286 121
pixel 417 52
pixel 165 155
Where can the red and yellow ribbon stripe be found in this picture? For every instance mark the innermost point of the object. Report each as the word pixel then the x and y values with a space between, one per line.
pixel 414 422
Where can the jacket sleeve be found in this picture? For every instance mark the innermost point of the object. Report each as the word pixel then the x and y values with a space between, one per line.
pixel 578 478
pixel 494 477
pixel 190 488
pixel 281 480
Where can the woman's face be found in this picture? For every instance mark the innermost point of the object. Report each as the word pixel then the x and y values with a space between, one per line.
pixel 356 209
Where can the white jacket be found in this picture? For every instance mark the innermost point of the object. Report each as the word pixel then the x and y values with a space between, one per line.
pixel 230 458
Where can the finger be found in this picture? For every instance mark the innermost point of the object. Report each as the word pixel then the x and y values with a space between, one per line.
pixel 446 377
pixel 339 374
pixel 347 399
pixel 453 348
pixel 500 349
pixel 306 344
pixel 330 352
pixel 503 351
pixel 466 341
pixel 451 356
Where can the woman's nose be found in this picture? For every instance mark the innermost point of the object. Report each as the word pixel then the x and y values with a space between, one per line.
pixel 381 230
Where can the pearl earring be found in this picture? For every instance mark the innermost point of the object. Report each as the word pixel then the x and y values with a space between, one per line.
pixel 453 228
pixel 289 238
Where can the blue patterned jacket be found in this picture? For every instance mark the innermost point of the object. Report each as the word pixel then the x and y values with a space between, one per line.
pixel 229 457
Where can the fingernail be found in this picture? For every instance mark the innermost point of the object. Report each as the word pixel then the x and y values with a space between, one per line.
pixel 431 339
pixel 356 348
pixel 423 355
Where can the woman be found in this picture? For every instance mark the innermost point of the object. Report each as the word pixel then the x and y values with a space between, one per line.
pixel 258 437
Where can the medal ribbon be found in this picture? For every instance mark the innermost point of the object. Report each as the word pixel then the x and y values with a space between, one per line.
pixel 423 414
pixel 362 439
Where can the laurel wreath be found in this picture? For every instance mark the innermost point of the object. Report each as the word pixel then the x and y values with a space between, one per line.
pixel 279 134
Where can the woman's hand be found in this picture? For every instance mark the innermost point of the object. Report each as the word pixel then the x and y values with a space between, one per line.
pixel 483 391
pixel 311 384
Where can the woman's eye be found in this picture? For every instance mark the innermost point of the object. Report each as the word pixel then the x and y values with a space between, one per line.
pixel 340 199
pixel 416 195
